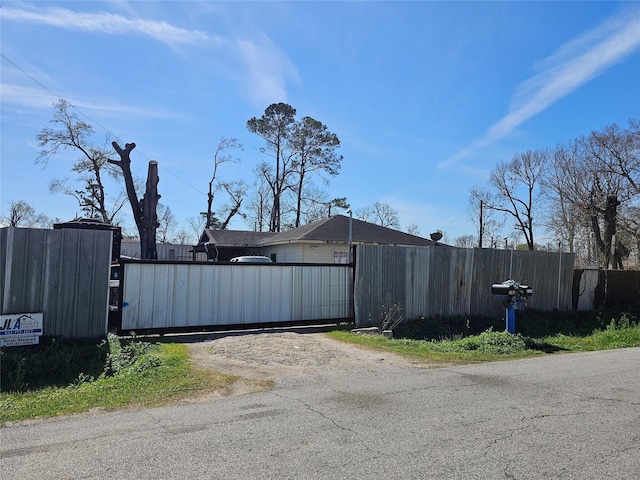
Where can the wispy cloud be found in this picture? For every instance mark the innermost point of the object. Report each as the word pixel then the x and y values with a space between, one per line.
pixel 571 66
pixel 107 23
pixel 21 96
pixel 18 95
pixel 265 69
pixel 268 70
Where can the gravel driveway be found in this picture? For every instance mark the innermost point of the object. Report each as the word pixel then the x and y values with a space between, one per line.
pixel 265 356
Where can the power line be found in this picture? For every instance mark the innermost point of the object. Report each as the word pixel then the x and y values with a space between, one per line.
pixel 456 221
pixel 183 181
pixel 108 131
pixel 28 75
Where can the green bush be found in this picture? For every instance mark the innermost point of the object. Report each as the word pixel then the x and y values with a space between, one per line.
pixel 529 323
pixel 56 362
pixel 502 343
pixel 440 328
pixel 53 362
pixel 624 322
pixel 128 354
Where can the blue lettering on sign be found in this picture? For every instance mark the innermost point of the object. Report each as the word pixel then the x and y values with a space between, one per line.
pixel 7 324
pixel 20 326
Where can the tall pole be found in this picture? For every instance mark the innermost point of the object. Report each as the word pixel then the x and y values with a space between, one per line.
pixel 481 232
pixel 350 234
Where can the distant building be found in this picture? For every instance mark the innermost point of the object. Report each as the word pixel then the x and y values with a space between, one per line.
pixel 130 248
pixel 322 241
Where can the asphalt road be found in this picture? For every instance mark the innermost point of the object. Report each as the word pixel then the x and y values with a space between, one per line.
pixel 564 416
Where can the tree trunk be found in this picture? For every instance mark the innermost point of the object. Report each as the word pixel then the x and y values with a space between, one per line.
pixel 149 214
pixel 145 211
pixel 605 240
pixel 600 244
pixel 299 201
pixel 209 206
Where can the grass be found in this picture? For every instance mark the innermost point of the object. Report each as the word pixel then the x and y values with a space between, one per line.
pixel 130 373
pixel 489 346
pixel 457 342
pixel 622 333
pixel 61 377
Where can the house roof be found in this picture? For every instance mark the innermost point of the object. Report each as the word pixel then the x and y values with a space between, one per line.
pixel 234 238
pixel 327 230
pixel 336 230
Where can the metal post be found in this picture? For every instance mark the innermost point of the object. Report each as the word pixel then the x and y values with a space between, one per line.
pixel 559 281
pixel 511 319
pixel 350 235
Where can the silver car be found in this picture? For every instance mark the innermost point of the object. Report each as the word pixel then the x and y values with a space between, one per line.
pixel 251 259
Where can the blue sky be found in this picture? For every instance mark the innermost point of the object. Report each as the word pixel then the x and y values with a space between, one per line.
pixel 426 97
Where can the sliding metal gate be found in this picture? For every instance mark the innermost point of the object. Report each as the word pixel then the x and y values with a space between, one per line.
pixel 199 296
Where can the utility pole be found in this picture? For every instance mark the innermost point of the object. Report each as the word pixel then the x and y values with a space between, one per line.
pixel 481 233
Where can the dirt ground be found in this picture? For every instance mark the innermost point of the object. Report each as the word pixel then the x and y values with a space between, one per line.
pixel 262 357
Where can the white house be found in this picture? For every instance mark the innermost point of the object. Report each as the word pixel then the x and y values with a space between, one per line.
pixel 323 241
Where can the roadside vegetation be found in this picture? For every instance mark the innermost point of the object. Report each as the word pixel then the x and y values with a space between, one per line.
pixel 60 377
pixel 482 339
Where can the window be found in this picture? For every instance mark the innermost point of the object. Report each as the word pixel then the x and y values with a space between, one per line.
pixel 340 257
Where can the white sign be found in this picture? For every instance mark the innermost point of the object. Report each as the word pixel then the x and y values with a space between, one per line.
pixel 18 341
pixel 20 329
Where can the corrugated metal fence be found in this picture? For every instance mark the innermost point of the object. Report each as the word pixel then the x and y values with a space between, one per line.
pixel 441 281
pixel 61 273
pixel 65 274
pixel 165 251
pixel 163 295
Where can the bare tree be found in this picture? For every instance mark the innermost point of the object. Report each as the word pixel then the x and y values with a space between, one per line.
pixel 195 228
pixel 630 226
pixel 257 211
pixel 488 222
pixel 365 214
pixel 69 132
pixel 413 229
pixel 386 215
pixel 588 174
pixel 466 241
pixel 379 213
pixel 145 209
pixel 236 192
pixel 516 189
pixel 615 153
pixel 219 158
pixel 565 218
pixel 166 224
pixel 618 151
pixel 21 214
pixel 604 191
pixel 316 204
pixel 183 237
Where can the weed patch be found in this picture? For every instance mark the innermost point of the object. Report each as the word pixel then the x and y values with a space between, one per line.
pixel 127 372
pixel 500 343
pixel 51 363
pixel 456 340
